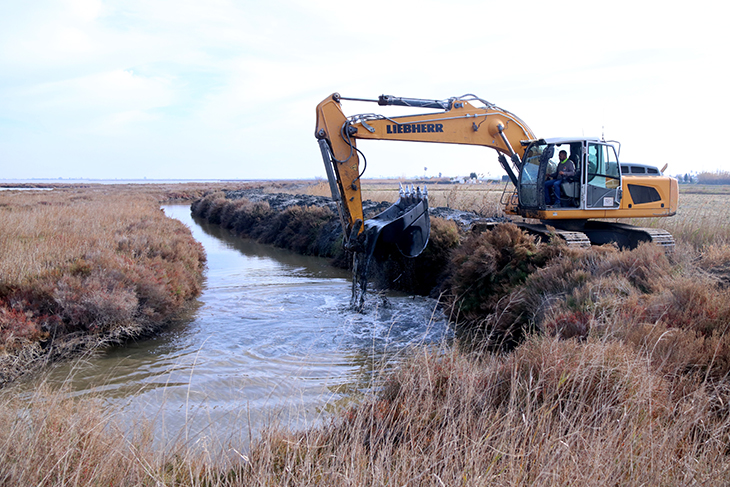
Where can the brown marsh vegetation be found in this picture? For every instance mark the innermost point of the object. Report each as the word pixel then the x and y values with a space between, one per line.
pixel 81 266
pixel 624 382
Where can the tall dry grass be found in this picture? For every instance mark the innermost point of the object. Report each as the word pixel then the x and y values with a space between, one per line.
pixel 49 438
pixel 550 413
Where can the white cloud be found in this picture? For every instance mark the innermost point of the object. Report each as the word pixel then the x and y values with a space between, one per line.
pixel 98 103
pixel 84 10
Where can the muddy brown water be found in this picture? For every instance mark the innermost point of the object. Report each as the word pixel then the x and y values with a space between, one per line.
pixel 272 340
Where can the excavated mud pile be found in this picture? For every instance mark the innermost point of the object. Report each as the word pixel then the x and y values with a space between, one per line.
pixel 282 201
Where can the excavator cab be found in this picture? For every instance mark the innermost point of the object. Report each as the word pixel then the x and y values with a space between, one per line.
pixel 596 184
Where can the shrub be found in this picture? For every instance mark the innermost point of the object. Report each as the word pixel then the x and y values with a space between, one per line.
pixel 302 229
pixel 485 278
pixel 19 327
pixel 296 228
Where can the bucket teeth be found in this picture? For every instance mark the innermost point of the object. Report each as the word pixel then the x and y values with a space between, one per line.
pixel 412 194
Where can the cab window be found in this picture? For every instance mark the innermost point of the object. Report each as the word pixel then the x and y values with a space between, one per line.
pixel 603 167
pixel 532 163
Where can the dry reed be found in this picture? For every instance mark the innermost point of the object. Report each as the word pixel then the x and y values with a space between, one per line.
pixel 50 438
pixel 551 413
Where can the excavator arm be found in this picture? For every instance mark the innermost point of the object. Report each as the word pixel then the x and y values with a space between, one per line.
pixel 455 121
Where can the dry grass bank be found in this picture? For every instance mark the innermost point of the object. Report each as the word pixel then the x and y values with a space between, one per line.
pixel 79 266
pixel 52 439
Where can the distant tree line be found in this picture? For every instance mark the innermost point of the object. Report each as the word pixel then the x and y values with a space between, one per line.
pixel 717 177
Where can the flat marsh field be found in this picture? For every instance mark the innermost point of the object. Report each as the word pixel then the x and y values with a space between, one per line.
pixel 622 375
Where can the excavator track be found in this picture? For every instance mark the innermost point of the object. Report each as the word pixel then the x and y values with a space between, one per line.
pixel 660 237
pixel 572 238
pixel 627 236
pixel 595 233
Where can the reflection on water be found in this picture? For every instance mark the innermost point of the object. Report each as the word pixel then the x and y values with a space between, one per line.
pixel 272 335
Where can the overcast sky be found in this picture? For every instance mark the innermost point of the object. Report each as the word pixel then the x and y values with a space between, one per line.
pixel 228 89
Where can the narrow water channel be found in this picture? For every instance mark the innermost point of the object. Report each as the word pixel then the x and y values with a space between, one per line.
pixel 272 339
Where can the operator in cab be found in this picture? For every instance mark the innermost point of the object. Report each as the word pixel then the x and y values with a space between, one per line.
pixel 565 169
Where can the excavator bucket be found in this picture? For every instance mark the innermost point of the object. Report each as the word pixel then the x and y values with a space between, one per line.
pixel 404 224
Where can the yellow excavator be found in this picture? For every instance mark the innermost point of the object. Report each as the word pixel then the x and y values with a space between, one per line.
pixel 597 191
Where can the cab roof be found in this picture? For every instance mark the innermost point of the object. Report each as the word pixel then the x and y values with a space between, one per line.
pixel 562 140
